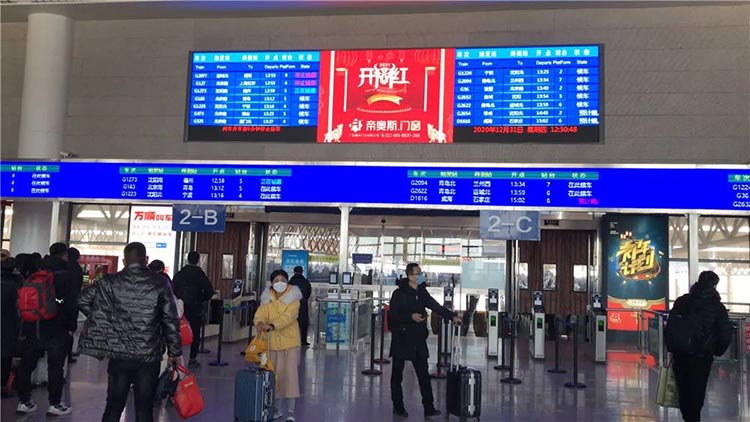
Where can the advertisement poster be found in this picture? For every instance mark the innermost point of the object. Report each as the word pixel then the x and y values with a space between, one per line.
pixel 637 266
pixel 152 226
pixel 337 325
pixel 292 258
pixel 386 96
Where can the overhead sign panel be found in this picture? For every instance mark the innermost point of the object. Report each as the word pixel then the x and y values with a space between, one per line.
pixel 370 184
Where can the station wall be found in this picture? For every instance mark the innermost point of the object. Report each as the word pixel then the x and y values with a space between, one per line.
pixel 677 81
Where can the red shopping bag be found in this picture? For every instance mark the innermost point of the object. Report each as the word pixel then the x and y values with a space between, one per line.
pixel 188 400
pixel 185 331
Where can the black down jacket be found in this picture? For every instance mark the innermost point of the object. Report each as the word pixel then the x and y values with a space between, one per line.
pixel 716 326
pixel 131 315
pixel 409 338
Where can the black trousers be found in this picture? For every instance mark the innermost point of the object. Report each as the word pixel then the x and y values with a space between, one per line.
pixel 304 322
pixel 7 363
pixel 691 375
pixel 196 322
pixel 32 349
pixel 143 377
pixel 423 376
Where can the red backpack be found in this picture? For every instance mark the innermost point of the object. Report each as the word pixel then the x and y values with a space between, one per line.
pixel 36 297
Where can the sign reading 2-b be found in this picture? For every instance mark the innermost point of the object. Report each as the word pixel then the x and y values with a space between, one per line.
pixel 509 225
pixel 199 218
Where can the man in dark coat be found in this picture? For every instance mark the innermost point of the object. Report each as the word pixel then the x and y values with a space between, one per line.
pixel 11 280
pixel 303 319
pixel 194 288
pixel 691 371
pixel 407 316
pixel 50 336
pixel 131 318
pixel 76 282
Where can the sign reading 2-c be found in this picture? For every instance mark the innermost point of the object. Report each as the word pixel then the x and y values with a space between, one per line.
pixel 509 225
pixel 198 218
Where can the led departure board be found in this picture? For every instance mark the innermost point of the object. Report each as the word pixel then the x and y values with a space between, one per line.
pixel 725 189
pixel 437 95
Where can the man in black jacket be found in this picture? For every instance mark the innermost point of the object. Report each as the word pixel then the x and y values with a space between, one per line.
pixel 50 336
pixel 76 282
pixel 406 321
pixel 303 318
pixel 131 318
pixel 692 370
pixel 194 288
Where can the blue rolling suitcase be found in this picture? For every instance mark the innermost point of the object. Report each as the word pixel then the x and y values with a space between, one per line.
pixel 254 395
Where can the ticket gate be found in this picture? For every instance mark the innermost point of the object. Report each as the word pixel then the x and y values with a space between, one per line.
pixel 493 323
pixel 537 325
pixel 598 329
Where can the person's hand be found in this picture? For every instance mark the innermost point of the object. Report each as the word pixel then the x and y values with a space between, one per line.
pixel 269 327
pixel 417 317
pixel 457 320
pixel 172 360
pixel 261 326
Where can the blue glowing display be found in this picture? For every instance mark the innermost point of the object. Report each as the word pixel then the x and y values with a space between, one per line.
pixel 605 188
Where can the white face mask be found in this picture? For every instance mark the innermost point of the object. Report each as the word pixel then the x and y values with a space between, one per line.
pixel 279 286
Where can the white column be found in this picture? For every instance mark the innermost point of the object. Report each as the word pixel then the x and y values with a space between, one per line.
pixel 344 244
pixel 693 228
pixel 44 99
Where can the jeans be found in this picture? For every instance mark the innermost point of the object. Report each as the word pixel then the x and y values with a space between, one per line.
pixel 196 323
pixel 691 375
pixel 123 374
pixel 32 350
pixel 423 376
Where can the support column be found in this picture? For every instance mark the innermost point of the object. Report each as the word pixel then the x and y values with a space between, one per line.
pixel 344 245
pixel 693 230
pixel 41 135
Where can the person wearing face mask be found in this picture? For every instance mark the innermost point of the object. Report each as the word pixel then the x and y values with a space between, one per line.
pixel 277 314
pixel 406 320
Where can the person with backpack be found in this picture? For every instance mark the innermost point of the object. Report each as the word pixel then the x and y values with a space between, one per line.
pixel 194 288
pixel 698 329
pixel 45 328
pixel 131 318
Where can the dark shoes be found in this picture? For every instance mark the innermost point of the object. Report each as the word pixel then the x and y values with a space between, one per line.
pixel 428 413
pixel 400 412
pixel 192 363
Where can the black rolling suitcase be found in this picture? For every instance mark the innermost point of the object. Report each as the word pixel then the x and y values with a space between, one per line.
pixel 464 386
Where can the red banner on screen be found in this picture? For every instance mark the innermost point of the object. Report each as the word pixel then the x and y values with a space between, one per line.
pixel 386 96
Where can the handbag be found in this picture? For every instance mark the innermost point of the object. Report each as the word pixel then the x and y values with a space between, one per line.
pixel 188 400
pixel 257 352
pixel 667 394
pixel 185 331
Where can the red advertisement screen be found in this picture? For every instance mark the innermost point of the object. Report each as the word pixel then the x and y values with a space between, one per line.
pixel 385 96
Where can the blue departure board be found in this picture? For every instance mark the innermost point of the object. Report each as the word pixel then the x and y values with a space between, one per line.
pixel 724 189
pixel 431 95
pixel 266 96
pixel 527 93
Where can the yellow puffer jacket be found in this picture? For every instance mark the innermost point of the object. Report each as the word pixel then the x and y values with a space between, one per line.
pixel 281 310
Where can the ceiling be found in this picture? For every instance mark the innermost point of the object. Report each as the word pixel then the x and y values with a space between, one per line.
pixel 18 10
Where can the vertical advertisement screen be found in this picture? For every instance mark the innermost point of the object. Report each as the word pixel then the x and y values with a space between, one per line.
pixel 637 267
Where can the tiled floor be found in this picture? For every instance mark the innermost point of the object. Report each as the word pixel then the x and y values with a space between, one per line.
pixel 334 390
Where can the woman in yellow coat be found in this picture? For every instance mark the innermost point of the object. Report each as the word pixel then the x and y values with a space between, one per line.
pixel 279 306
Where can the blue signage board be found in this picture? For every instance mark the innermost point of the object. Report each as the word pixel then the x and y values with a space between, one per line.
pixel 361 258
pixel 199 218
pixel 509 225
pixel 537 187
pixel 292 258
